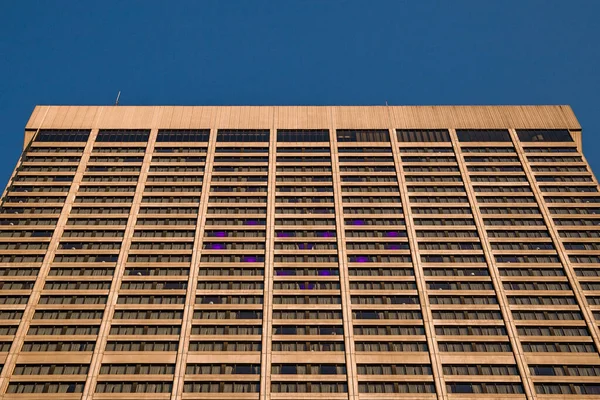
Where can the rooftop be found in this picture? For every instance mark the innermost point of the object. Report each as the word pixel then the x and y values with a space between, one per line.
pixel 303 117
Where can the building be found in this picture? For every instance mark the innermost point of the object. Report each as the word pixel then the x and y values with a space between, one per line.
pixel 300 253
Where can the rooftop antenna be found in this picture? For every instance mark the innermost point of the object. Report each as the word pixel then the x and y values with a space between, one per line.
pixel 385 101
pixel 117 101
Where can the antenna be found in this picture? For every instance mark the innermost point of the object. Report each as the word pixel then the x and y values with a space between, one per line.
pixel 117 101
pixel 385 101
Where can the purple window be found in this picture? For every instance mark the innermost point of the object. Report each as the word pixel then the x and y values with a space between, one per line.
pixel 326 234
pixel 307 286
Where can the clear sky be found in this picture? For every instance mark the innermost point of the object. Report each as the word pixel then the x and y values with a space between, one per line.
pixel 320 52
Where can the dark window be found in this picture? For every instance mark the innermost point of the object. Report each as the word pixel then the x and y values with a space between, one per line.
pixel 543 370
pixel 540 135
pixel 62 135
pixel 423 135
pixel 483 135
pixel 304 135
pixel 372 135
pixel 243 135
pixel 123 135
pixel 183 135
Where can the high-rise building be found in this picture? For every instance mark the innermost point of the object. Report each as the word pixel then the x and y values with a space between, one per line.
pixel 356 253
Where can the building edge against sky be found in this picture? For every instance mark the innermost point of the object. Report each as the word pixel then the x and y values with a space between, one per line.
pixel 285 252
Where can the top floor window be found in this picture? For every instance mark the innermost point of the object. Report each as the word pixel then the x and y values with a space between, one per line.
pixel 183 135
pixel 123 135
pixel 366 135
pixel 483 135
pixel 544 135
pixel 423 135
pixel 243 135
pixel 303 135
pixel 62 135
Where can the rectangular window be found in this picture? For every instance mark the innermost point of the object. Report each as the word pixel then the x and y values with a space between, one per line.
pixel 423 135
pixel 367 135
pixel 183 135
pixel 303 135
pixel 123 135
pixel 62 135
pixel 243 135
pixel 543 135
pixel 483 135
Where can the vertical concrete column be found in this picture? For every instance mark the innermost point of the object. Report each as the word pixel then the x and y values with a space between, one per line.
pixel 111 302
pixel 40 281
pixel 343 264
pixel 558 244
pixel 494 272
pixel 190 298
pixel 265 359
pixel 436 364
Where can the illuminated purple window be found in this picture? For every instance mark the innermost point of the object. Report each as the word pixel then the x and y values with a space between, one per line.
pixel 284 272
pixel 221 233
pixel 307 286
pixel 251 222
pixel 325 272
pixel 305 246
pixel 249 259
pixel 217 246
pixel 362 259
pixel 326 234
pixel 392 234
pixel 357 222
pixel 393 246
pixel 285 234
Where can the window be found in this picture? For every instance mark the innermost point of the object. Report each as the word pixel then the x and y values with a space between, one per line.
pixel 567 388
pixel 243 135
pixel 135 369
pixel 428 135
pixel 395 387
pixel 308 135
pixel 183 135
pixel 134 387
pixel 503 388
pixel 308 369
pixel 370 135
pixel 123 135
pixel 205 369
pixel 471 369
pixel 60 135
pixel 45 387
pixel 51 369
pixel 542 135
pixel 484 135
pixel 221 387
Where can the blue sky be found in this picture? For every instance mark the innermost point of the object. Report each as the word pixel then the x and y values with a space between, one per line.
pixel 298 52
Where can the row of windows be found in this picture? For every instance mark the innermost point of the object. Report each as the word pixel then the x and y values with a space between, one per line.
pixel 343 135
pixel 297 387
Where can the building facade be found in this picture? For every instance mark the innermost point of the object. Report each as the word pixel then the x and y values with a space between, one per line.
pixel 300 253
